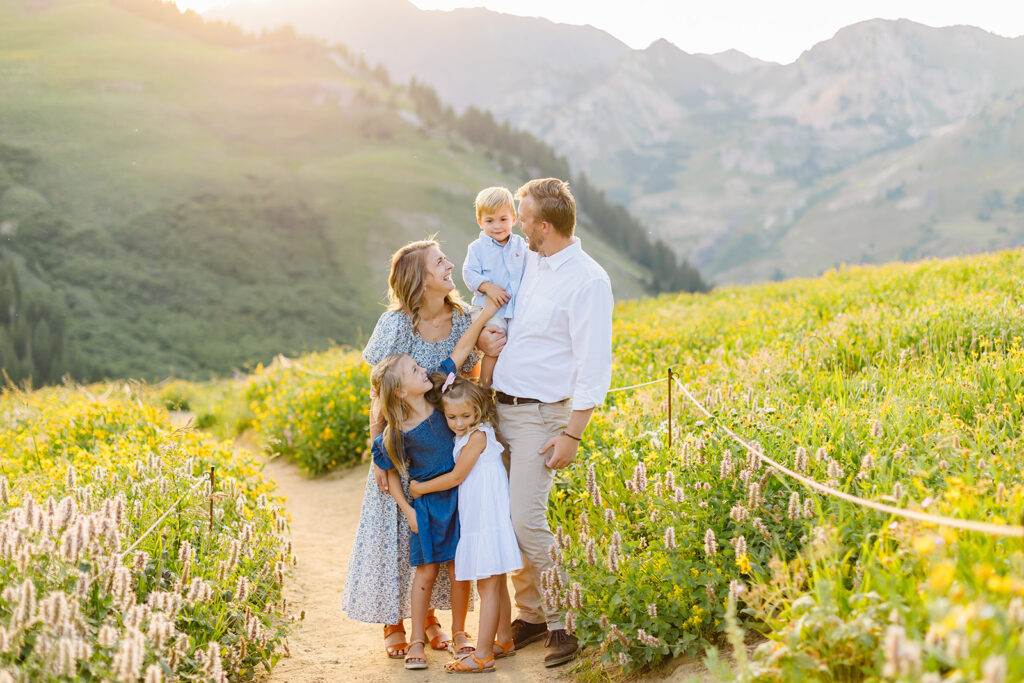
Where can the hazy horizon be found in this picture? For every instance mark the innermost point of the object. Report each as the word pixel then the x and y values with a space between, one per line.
pixel 779 33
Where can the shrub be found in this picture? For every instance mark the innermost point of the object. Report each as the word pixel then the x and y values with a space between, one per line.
pixel 97 583
pixel 315 412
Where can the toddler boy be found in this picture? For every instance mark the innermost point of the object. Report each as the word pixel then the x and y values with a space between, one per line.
pixel 494 262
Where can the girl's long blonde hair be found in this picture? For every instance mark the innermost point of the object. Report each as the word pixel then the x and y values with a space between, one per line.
pixel 405 282
pixel 386 382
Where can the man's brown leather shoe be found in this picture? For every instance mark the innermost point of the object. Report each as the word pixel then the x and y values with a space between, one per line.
pixel 524 633
pixel 561 647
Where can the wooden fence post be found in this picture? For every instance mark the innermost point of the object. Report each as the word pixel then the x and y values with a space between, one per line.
pixel 670 407
pixel 213 483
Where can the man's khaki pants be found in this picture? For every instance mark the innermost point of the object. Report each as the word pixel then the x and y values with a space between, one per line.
pixel 525 429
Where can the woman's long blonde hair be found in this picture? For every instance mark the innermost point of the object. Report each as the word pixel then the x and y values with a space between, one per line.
pixel 386 382
pixel 405 282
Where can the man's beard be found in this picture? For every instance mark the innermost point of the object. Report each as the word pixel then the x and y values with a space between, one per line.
pixel 534 244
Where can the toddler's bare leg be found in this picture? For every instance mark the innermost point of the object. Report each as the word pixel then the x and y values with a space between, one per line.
pixel 487 370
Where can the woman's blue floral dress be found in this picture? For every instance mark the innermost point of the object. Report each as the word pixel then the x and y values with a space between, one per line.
pixel 380 555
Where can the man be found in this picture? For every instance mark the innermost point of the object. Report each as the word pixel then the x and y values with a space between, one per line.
pixel 554 370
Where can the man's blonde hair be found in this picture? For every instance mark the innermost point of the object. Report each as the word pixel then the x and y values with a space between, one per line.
pixel 492 199
pixel 555 203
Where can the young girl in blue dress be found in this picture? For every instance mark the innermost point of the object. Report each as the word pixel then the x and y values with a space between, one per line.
pixel 487 542
pixel 416 439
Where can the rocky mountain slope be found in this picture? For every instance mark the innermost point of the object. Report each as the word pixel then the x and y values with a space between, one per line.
pixel 750 168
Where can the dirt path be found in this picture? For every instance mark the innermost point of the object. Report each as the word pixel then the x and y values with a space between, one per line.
pixel 327 646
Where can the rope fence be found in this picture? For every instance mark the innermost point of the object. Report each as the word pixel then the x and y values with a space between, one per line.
pixel 199 482
pixel 1013 531
pixel 637 386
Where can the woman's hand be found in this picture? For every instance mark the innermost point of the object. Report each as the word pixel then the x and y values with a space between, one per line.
pixel 491 307
pixel 491 341
pixel 382 478
pixel 411 516
pixel 414 489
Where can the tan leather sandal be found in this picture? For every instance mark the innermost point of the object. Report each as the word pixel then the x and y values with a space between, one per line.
pixel 397 650
pixel 508 649
pixel 437 642
pixel 416 661
pixel 460 665
pixel 465 649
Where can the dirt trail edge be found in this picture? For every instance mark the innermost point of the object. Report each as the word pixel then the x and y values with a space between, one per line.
pixel 327 646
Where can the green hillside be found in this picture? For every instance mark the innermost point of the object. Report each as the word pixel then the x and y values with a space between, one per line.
pixel 180 199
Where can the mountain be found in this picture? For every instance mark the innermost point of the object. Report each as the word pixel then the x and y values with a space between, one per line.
pixel 874 145
pixel 177 197
pixel 736 62
pixel 472 56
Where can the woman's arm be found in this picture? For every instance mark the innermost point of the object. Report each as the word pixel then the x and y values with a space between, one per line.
pixel 467 342
pixel 467 458
pixel 395 484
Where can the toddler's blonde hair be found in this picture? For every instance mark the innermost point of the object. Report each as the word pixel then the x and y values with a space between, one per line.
pixel 492 199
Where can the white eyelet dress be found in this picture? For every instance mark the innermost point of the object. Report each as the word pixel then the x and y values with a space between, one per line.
pixel 487 542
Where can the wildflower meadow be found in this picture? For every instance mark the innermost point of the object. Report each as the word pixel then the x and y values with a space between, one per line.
pixel 314 410
pixel 900 385
pixel 120 557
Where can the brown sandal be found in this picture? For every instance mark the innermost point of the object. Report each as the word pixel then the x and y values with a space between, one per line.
pixel 465 649
pixel 459 666
pixel 507 649
pixel 416 662
pixel 396 651
pixel 436 642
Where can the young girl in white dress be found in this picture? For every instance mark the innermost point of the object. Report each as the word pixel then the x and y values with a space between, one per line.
pixel 487 546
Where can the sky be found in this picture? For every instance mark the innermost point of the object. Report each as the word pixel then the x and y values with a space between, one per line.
pixel 776 30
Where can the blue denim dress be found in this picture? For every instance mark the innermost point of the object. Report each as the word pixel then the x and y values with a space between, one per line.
pixel 428 453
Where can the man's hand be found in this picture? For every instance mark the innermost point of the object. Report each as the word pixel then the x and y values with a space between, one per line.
pixel 382 478
pixel 495 293
pixel 491 341
pixel 563 451
pixel 414 489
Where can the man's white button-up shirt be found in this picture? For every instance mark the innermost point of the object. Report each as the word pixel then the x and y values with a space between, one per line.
pixel 560 340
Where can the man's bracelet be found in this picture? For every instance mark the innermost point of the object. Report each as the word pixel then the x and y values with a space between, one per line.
pixel 574 438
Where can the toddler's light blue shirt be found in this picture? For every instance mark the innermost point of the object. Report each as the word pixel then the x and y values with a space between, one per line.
pixel 488 261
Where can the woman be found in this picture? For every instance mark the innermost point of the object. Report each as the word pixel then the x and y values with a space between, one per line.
pixel 425 318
